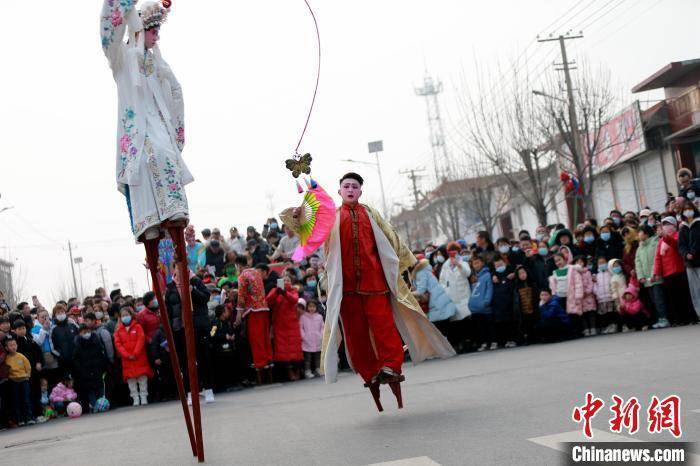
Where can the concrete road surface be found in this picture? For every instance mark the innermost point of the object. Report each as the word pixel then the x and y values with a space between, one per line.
pixel 504 407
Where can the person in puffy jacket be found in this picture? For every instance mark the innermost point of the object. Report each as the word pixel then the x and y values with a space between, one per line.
pixel 454 278
pixel 311 325
pixel 669 265
pixel 644 271
pixel 554 323
pixel 130 342
pixel 285 324
pixel 441 307
pixel 634 314
pixel 90 365
pixel 480 303
pixel 505 316
pixel 607 305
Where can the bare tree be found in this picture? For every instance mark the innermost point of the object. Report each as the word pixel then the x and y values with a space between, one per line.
pixel 63 290
pixel 19 283
pixel 577 148
pixel 485 197
pixel 503 129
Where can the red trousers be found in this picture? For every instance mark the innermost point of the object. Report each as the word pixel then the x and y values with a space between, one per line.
pixel 370 333
pixel 259 338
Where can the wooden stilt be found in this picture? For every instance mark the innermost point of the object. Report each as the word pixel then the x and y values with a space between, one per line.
pixel 396 389
pixel 178 237
pixel 374 390
pixel 152 259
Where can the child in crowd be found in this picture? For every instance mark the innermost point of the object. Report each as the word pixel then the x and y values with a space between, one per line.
pixel 480 303
pixel 89 366
pixel 62 394
pixel 526 297
pixel 607 305
pixel 44 394
pixel 130 342
pixel 311 325
pixel 554 323
pixel 504 319
pixel 634 314
pixel 223 338
pixel 19 371
pixel 588 303
pixel 566 283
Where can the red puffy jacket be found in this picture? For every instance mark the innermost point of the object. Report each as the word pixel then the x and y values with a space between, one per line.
pixel 149 321
pixel 285 324
pixel 131 341
pixel 668 260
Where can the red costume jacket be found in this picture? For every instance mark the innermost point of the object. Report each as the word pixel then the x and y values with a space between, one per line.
pixel 362 269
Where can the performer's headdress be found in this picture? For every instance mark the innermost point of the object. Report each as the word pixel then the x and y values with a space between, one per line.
pixel 153 13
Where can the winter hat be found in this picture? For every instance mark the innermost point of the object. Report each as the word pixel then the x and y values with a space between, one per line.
pixel 301 302
pixel 644 213
pixel 671 220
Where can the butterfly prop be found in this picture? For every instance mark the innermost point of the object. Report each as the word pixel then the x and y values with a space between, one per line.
pixel 312 221
pixel 299 164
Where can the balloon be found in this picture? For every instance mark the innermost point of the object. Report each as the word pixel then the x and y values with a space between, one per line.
pixel 74 410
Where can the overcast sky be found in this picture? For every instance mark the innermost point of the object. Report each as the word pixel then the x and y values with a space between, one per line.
pixel 247 70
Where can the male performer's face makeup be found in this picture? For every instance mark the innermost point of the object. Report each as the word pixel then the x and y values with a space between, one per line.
pixel 350 190
pixel 152 36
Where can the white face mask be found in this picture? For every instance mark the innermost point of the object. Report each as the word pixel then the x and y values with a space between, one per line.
pixel 689 213
pixel 99 315
pixel 85 336
pixel 61 317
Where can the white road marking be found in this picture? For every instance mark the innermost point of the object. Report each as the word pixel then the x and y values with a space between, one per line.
pixel 695 411
pixel 417 461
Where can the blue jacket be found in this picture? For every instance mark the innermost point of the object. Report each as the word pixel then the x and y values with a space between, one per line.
pixel 441 306
pixel 482 293
pixel 554 310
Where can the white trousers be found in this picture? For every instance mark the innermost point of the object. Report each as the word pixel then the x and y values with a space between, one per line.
pixel 138 387
pixel 694 283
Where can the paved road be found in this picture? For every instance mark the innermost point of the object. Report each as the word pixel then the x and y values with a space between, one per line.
pixel 473 409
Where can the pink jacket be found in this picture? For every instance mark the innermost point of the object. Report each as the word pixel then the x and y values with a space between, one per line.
pixel 61 393
pixel 589 302
pixel 575 291
pixel 311 332
pixel 632 307
pixel 602 288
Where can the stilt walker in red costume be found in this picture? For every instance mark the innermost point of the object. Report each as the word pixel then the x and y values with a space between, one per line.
pixel 150 170
pixel 366 292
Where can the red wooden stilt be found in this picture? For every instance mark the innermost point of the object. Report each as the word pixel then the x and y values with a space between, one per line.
pixel 374 390
pixel 178 237
pixel 396 389
pixel 152 259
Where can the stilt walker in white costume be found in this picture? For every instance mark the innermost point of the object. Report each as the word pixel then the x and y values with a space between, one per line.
pixel 150 171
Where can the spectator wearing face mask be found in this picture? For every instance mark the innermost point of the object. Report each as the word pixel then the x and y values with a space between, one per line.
pixel 63 338
pixel 588 245
pixel 103 335
pixel 689 248
pixel 149 316
pixel 610 244
pixel 90 365
pixel 689 187
pixel 669 265
pixel 130 342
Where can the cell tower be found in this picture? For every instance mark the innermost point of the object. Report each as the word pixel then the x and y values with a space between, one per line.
pixel 441 159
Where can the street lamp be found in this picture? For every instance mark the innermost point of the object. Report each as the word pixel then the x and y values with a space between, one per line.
pixel 375 147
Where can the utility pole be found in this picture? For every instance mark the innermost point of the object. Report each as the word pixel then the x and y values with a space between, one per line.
pixel 72 269
pixel 414 177
pixel 573 119
pixel 441 160
pixel 414 181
